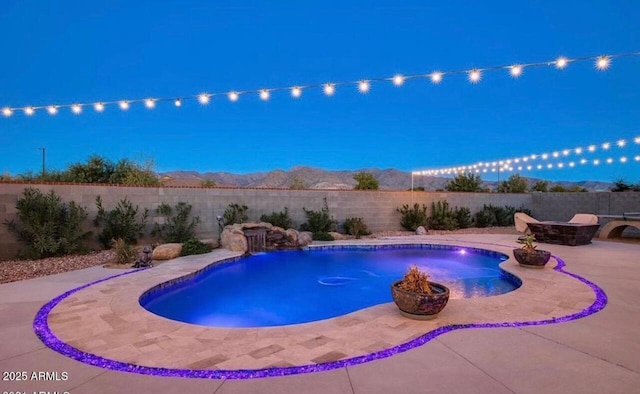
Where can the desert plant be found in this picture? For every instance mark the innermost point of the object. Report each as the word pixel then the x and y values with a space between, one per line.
pixel 235 213
pixel 47 225
pixel 515 184
pixel 121 222
pixel 125 253
pixel 319 221
pixel 413 217
pixel 528 243
pixel 356 227
pixel 322 236
pixel 298 183
pixel 442 217
pixel 366 181
pixel 463 217
pixel 193 246
pixel 415 281
pixel 279 219
pixel 465 183
pixel 540 186
pixel 176 228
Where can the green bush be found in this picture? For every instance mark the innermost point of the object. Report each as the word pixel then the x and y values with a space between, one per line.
pixel 412 218
pixel 319 221
pixel 280 219
pixel 235 213
pixel 356 227
pixel 322 236
pixel 442 217
pixel 492 215
pixel 463 217
pixel 366 181
pixel 122 222
pixel 176 228
pixel 465 182
pixel 193 246
pixel 48 226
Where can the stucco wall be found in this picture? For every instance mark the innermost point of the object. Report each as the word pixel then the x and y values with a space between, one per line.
pixel 377 208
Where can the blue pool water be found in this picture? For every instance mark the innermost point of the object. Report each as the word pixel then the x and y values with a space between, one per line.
pixel 290 287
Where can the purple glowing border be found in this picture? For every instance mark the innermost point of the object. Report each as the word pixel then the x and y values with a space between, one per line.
pixel 42 330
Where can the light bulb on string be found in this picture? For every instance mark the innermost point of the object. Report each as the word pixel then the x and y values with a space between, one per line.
pixel 436 77
pixel 6 111
pixel 76 109
pixel 150 103
pixel 561 62
pixel 177 102
pixel 623 159
pixel 264 95
pixel 515 70
pixel 52 110
pixel 124 105
pixel 29 111
pixel 603 63
pixel 99 107
pixel 475 76
pixel 621 143
pixel 296 92
pixel 591 148
pixel 364 86
pixel 233 96
pixel 398 80
pixel 204 98
pixel 329 89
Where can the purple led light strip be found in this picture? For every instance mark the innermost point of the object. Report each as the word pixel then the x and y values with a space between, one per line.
pixel 42 330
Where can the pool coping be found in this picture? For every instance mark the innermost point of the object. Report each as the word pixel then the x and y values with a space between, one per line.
pixel 58 328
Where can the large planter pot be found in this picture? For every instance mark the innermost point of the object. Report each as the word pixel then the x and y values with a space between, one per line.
pixel 420 306
pixel 535 259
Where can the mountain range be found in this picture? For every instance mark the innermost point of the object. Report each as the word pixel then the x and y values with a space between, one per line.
pixel 315 178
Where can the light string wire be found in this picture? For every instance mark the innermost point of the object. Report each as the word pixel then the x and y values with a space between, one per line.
pixel 551 160
pixel 474 75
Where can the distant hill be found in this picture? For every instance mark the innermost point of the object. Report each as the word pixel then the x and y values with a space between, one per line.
pixel 315 178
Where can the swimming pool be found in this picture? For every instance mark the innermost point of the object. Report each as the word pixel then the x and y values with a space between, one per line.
pixel 292 287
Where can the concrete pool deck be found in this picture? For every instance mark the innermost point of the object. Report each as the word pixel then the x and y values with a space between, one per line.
pixel 598 353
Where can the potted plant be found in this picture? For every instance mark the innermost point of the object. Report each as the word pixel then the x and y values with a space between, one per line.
pixel 417 297
pixel 530 257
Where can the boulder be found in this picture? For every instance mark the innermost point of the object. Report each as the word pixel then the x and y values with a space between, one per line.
pixel 237 243
pixel 337 236
pixel 167 251
pixel 421 231
pixel 292 236
pixel 304 238
pixel 211 242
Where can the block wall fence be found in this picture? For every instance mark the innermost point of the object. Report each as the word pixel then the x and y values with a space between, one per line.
pixel 377 208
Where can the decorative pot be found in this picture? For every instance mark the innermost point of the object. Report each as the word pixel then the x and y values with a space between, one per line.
pixel 535 259
pixel 420 306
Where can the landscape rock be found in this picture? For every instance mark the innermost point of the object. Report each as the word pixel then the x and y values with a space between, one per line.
pixel 167 251
pixel 211 242
pixel 337 236
pixel 304 238
pixel 421 231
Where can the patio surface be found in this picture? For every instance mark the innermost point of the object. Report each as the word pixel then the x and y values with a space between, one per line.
pixel 598 353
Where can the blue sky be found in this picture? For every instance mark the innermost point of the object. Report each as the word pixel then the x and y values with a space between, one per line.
pixel 85 52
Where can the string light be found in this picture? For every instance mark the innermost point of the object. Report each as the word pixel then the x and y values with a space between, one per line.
pixel 29 111
pixel 76 109
pixel 621 143
pixel 264 94
pixel 475 76
pixel 515 70
pixel 329 89
pixel 178 102
pixel 364 86
pixel 436 77
pixel 99 107
pixel 150 103
pixel 52 110
pixel 296 92
pixel 602 63
pixel 204 98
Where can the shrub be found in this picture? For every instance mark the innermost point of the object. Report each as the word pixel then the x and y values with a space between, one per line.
pixel 492 215
pixel 484 218
pixel 366 181
pixel 515 184
pixel 208 183
pixel 235 213
pixel 356 227
pixel 122 222
pixel 178 228
pixel 319 221
pixel 442 217
pixel 540 186
pixel 322 236
pixel 463 217
pixel 465 182
pixel 193 246
pixel 125 253
pixel 279 219
pixel 412 218
pixel 48 226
